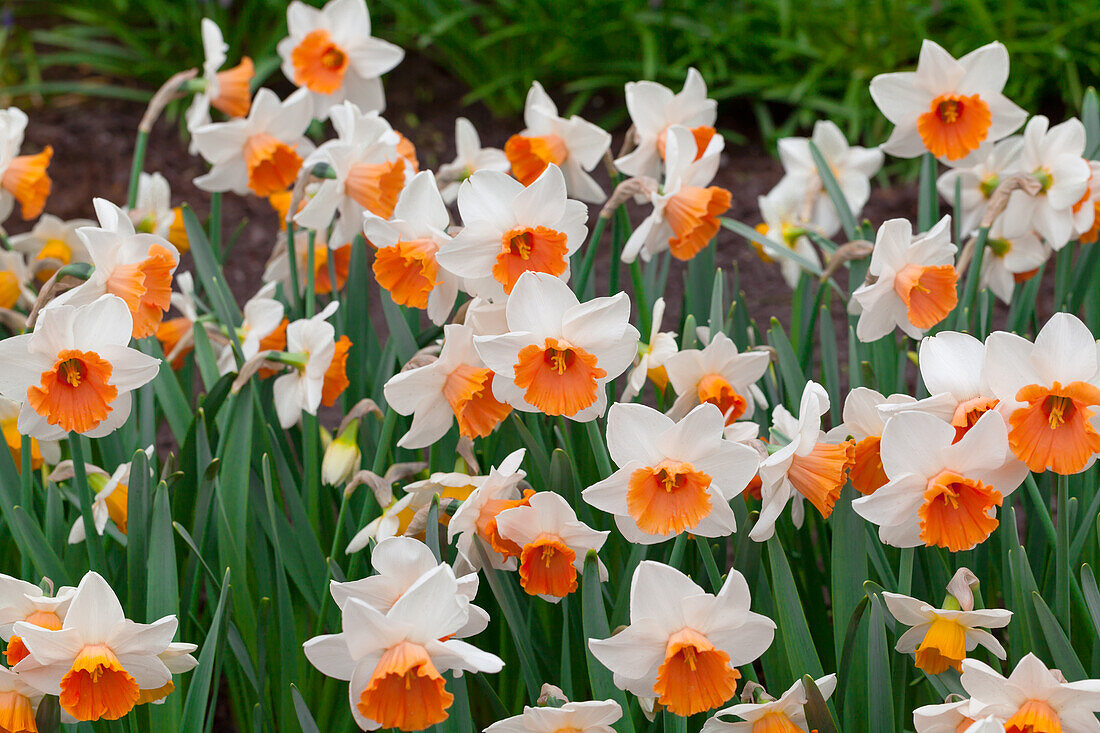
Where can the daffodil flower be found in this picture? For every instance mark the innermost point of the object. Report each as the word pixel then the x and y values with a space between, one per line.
pixel 673 477
pixel 915 280
pixel 718 374
pixel 331 53
pixel 851 165
pixel 559 353
pixel 511 229
pixel 942 637
pixel 787 714
pixel 135 266
pixel 582 717
pixel 23 178
pixel 684 645
pixel 470 158
pixel 405 261
pixel 941 493
pixel 1031 698
pixel 574 145
pixel 226 91
pixel 368 174
pixel 1054 158
pixel 653 109
pixel 394 661
pixel 947 107
pixel 553 544
pixel 1049 393
pixel 262 152
pixel 76 371
pixel 805 467
pixel 456 387
pixel 685 208
pixel 99 662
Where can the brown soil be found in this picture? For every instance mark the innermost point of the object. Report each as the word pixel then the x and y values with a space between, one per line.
pixel 93 146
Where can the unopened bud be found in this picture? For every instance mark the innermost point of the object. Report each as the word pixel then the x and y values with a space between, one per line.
pixel 342 456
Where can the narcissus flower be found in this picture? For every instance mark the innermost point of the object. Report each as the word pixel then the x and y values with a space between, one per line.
pixel 470 158
pixel 1010 257
pixel 852 166
pixel 23 601
pixel 914 281
pixel 98 662
pixel 135 266
pixel 1049 393
pixel 952 369
pixel 717 374
pixel 784 715
pixel 654 109
pixel 559 353
pixel 368 174
pixel 23 178
pixel 226 91
pixel 574 145
pixel 685 209
pixel 582 717
pixel 394 661
pixel 398 562
pixel 111 501
pixel 1054 157
pixel 42 451
pixel 947 717
pixel 684 645
pixel 476 519
pixel 510 230
pixel 406 246
pixel 1032 699
pixel 942 637
pixel 652 356
pixel 311 342
pixel 805 467
pixel 14 277
pixel 261 153
pixel 553 544
pixel 864 422
pixel 51 244
pixel 398 514
pixel 262 314
pixel 75 372
pixel 785 224
pixel 673 477
pixel 330 52
pixel 993 163
pixel 455 387
pixel 153 212
pixel 18 703
pixel 947 107
pixel 941 493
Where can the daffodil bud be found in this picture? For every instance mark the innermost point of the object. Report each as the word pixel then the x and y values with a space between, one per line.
pixel 342 456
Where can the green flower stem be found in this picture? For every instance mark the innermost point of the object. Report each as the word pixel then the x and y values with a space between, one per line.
pixel 590 255
pixel 140 144
pixel 292 262
pixel 216 225
pixel 310 299
pixel 644 315
pixel 92 541
pixel 311 458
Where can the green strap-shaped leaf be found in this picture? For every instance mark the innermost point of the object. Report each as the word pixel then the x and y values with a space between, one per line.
pixel 795 632
pixel 198 692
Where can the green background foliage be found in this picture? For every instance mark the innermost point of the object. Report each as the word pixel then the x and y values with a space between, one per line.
pixel 777 63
